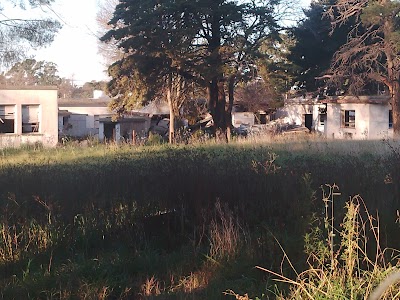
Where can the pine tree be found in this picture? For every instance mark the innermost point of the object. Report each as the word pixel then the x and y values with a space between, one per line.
pixel 209 42
pixel 372 51
pixel 315 45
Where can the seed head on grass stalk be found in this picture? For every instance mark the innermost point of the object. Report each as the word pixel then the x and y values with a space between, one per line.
pixel 355 272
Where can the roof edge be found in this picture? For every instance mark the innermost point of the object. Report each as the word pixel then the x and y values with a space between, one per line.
pixel 28 87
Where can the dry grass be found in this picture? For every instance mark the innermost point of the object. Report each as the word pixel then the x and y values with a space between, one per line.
pixel 345 268
pixel 226 235
pixel 151 287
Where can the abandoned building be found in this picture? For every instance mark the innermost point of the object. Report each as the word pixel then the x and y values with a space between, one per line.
pixel 79 118
pixel 129 129
pixel 28 114
pixel 342 117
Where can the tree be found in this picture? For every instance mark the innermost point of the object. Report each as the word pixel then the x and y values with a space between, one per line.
pixel 257 95
pixel 16 33
pixel 67 89
pixel 209 42
pixel 32 72
pixel 371 53
pixel 109 50
pixel 315 45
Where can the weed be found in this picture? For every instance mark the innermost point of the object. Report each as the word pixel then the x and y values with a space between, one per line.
pixel 351 271
pixel 226 235
pixel 151 287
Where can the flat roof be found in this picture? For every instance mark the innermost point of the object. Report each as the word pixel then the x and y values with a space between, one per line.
pixel 28 87
pixel 130 119
pixel 372 99
pixel 86 102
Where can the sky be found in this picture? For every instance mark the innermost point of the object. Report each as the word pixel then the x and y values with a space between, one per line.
pixel 75 48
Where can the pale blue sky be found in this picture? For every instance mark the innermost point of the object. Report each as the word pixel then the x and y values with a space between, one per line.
pixel 74 49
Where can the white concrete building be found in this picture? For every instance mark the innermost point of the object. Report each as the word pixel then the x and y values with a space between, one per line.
pixel 79 118
pixel 304 112
pixel 342 117
pixel 364 117
pixel 28 114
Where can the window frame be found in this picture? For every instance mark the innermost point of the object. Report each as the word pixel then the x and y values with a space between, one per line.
pixel 34 126
pixel 6 116
pixel 348 120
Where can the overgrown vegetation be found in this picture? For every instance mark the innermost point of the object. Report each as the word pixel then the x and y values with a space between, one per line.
pixel 193 221
pixel 344 261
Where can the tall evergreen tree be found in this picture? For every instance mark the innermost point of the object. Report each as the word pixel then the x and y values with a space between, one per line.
pixel 315 45
pixel 209 42
pixel 372 52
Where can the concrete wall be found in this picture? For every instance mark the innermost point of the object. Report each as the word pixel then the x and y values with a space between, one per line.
pixel 46 99
pixel 379 121
pixel 82 121
pixel 371 121
pixel 239 118
pixel 294 114
pixel 124 129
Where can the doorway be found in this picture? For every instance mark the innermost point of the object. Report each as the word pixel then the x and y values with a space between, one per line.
pixel 109 131
pixel 308 121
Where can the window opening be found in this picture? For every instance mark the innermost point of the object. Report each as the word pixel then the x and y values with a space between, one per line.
pixel 30 118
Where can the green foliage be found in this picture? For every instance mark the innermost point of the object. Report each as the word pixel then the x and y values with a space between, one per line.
pixel 15 34
pixel 32 72
pixel 204 43
pixel 314 47
pixel 348 266
pixel 154 139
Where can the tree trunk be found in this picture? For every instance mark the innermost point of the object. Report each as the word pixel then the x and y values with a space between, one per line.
pixel 228 114
pixel 171 135
pixel 221 113
pixel 395 99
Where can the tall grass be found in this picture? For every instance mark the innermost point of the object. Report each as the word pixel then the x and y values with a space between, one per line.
pixel 344 261
pixel 125 222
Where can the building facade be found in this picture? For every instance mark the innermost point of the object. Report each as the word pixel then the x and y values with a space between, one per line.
pixel 342 117
pixel 28 115
pixel 80 118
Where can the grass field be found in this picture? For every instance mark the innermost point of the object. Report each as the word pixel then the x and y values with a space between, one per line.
pixel 189 222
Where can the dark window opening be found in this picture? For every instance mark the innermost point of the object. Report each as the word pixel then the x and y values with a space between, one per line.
pixel 322 119
pixel 308 121
pixel 349 118
pixel 7 119
pixel 390 118
pixel 30 118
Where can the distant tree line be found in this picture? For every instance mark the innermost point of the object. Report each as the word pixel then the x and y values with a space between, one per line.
pixel 43 73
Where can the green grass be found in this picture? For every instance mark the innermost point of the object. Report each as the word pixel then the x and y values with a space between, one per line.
pixel 90 222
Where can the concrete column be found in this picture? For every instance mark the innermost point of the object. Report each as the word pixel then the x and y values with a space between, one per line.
pixel 117 133
pixel 18 119
pixel 101 131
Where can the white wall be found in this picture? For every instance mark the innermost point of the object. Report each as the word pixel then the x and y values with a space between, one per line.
pixel 371 121
pixel 379 121
pixel 46 98
pixel 293 114
pixel 239 118
pixel 82 119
